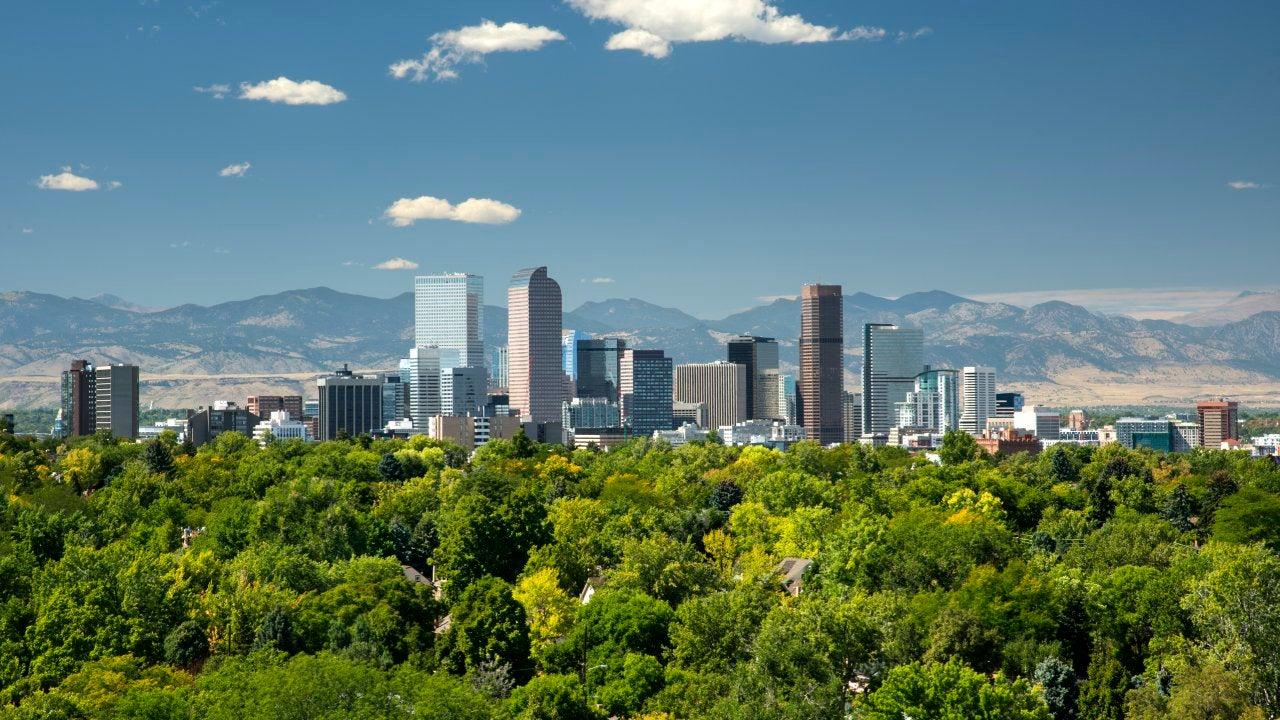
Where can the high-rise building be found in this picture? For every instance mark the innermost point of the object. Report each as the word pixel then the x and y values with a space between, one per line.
pixel 820 391
pixel 892 357
pixel 645 388
pixel 115 399
pixel 721 385
pixel 463 390
pixel 569 346
pixel 1008 403
pixel 851 404
pixel 535 359
pixel 421 371
pixel 264 405
pixel 1140 432
pixel 500 366
pixel 760 356
pixel 934 402
pixel 599 363
pixel 349 403
pixel 77 399
pixel 591 412
pixel 1042 422
pixel 1219 420
pixel 448 313
pixel 977 398
pixel 207 423
pixel 1076 419
pixel 395 397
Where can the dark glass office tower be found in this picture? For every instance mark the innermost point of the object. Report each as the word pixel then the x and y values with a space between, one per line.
pixel 598 364
pixel 821 386
pixel 760 356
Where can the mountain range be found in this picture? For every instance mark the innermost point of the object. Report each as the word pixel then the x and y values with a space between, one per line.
pixel 1054 346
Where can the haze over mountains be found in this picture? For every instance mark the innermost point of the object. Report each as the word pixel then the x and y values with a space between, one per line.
pixel 1054 346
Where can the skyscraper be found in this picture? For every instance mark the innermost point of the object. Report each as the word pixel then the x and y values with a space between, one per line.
pixel 263 405
pixel 1219 420
pixel 934 402
pixel 721 385
pixel 535 362
pixel 421 371
pixel 463 390
pixel 821 386
pixel 115 399
pixel 599 366
pixel 569 346
pixel 977 398
pixel 349 403
pixel 645 387
pixel 448 313
pixel 78 398
pixel 851 403
pixel 760 356
pixel 892 356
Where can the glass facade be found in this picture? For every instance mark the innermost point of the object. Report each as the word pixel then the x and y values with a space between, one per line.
pixel 448 313
pixel 599 367
pixel 892 357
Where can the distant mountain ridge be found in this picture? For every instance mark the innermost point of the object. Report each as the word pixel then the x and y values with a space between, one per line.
pixel 315 329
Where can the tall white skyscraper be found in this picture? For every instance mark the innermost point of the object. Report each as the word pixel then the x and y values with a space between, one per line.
pixel 421 370
pixel 977 398
pixel 448 313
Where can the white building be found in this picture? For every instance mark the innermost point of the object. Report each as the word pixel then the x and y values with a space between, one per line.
pixel 686 433
pixel 448 313
pixel 281 427
pixel 761 432
pixel 977 398
pixel 421 370
pixel 1043 422
pixel 177 426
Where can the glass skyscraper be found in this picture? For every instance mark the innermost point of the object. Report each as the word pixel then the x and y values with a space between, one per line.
pixel 448 313
pixel 892 356
pixel 599 366
pixel 646 391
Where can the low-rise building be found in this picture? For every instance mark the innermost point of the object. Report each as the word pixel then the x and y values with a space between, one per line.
pixel 281 426
pixel 774 434
pixel 686 433
pixel 1009 441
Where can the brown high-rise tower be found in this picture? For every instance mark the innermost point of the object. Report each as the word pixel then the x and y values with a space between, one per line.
pixel 534 355
pixel 821 385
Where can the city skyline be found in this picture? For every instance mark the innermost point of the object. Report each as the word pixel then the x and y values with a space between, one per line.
pixel 991 143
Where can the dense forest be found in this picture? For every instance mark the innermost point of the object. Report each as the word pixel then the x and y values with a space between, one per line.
pixel 295 581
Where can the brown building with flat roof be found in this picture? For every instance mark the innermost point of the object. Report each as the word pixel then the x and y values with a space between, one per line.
pixel 264 405
pixel 820 390
pixel 1219 421
pixel 1009 441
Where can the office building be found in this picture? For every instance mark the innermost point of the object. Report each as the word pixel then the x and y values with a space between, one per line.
pixel 421 371
pixel 498 369
pixel 1138 432
pixel 689 413
pixel 851 403
pixel 264 405
pixel 645 386
pixel 569 346
pixel 591 412
pixel 598 438
pixel 599 368
pixel 1219 420
pixel 463 390
pixel 721 385
pixel 978 398
pixel 1184 436
pixel 1041 422
pixel 1076 419
pixel 892 357
pixel 933 403
pixel 1009 441
pixel 470 431
pixel 1008 403
pixel 682 435
pixel 448 313
pixel 769 433
pixel 115 399
pixel 760 356
pixel 349 404
pixel 77 399
pixel 280 425
pixel 395 397
pixel 207 423
pixel 535 359
pixel 821 386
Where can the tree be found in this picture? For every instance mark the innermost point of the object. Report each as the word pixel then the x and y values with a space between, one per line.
pixel 951 692
pixel 552 697
pixel 1181 508
pixel 487 624
pixel 550 610
pixel 1102 692
pixel 725 495
pixel 391 469
pixel 158 458
pixel 958 447
pixel 1058 685
pixel 187 645
pixel 522 447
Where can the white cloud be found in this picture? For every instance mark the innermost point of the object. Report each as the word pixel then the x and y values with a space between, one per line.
pixel 221 251
pixel 236 170
pixel 469 45
pixel 652 26
pixel 904 35
pixel 290 92
pixel 27 230
pixel 770 299
pixel 599 280
pixel 115 185
pixel 396 263
pixel 1244 185
pixel 66 180
pixel 405 211
pixel 217 90
pixel 183 244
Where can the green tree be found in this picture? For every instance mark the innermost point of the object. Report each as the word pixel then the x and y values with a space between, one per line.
pixel 552 697
pixel 487 624
pixel 158 458
pixel 951 692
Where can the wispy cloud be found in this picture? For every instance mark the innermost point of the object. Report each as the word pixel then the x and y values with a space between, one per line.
pixel 68 181
pixel 775 298
pixel 221 251
pixel 292 92
pixel 183 244
pixel 406 211
pixel 470 45
pixel 1245 185
pixel 28 231
pixel 114 185
pixel 396 263
pixel 905 35
pixel 217 90
pixel 652 27
pixel 1140 303
pixel 236 170
pixel 598 281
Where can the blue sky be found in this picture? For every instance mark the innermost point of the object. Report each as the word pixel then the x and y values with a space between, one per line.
pixel 1010 146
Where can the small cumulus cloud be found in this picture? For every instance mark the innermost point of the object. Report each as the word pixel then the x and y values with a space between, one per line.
pixel 114 185
pixel 217 90
pixel 183 244
pixel 598 280
pixel 406 211
pixel 396 263
pixel 1244 185
pixel 236 170
pixel 470 45
pixel 67 180
pixel 292 92
pixel 28 231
